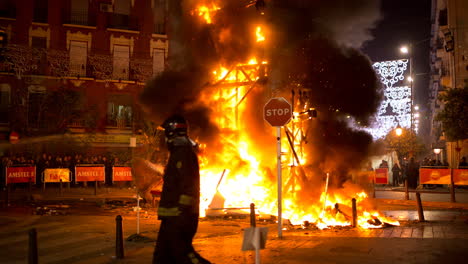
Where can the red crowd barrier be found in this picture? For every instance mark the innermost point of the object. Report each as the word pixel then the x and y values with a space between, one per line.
pixel 442 176
pixel 20 174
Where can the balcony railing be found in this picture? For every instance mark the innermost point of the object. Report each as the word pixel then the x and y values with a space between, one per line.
pixel 40 15
pixel 160 29
pixel 24 60
pixel 120 21
pixel 80 18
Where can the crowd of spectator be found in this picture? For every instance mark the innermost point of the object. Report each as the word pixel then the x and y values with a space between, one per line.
pixel 428 162
pixel 409 170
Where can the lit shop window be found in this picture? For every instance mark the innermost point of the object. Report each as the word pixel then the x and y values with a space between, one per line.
pixel 119 111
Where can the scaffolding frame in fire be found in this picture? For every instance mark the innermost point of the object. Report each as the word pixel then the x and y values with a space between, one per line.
pixel 243 79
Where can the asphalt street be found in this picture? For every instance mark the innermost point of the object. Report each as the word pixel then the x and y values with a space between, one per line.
pixel 82 230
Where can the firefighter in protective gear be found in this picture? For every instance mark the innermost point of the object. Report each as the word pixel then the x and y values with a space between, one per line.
pixel 179 205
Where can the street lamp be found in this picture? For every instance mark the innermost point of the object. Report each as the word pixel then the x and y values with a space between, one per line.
pixel 437 152
pixel 404 50
pixel 398 130
pixel 408 50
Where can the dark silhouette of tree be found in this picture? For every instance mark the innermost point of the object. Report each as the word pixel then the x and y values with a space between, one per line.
pixel 454 116
pixel 408 144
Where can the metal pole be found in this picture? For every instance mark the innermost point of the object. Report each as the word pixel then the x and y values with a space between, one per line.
pixel 406 189
pixel 373 187
pixel 95 187
pixel 7 195
pixel 30 187
pixel 32 252
pixel 420 208
pixel 119 249
pixel 60 187
pixel 354 212
pixel 43 182
pixel 138 213
pixel 452 188
pixel 280 182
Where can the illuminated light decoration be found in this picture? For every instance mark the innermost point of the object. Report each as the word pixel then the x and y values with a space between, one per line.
pixel 396 105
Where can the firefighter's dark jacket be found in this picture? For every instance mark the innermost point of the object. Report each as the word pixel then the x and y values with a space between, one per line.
pixel 181 188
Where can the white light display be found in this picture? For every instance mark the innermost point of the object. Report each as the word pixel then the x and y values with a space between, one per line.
pixel 396 105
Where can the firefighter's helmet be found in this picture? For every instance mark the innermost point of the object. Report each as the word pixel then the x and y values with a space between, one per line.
pixel 175 125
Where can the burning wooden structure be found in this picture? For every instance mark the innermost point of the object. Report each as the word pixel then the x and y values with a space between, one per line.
pixel 237 171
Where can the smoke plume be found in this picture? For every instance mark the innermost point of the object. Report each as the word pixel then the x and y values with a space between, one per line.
pixel 310 45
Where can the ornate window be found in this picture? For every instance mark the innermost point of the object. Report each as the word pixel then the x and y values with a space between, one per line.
pixel 78 58
pixel 121 62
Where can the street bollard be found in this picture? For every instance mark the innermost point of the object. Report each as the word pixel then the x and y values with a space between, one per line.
pixel 254 225
pixel 119 249
pixel 373 188
pixel 30 186
pixel 420 208
pixel 406 190
pixel 30 197
pixel 32 252
pixel 354 212
pixel 252 215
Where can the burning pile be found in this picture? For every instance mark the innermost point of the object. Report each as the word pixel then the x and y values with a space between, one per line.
pixel 226 58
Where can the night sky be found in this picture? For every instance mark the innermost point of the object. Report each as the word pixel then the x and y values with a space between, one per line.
pixel 404 21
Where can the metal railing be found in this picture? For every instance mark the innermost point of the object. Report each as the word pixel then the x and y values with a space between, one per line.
pixel 121 21
pixel 80 17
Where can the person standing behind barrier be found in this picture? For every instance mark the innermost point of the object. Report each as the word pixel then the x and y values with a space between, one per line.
pixel 396 171
pixel 107 170
pixel 179 205
pixel 463 164
pixel 413 172
pixel 3 165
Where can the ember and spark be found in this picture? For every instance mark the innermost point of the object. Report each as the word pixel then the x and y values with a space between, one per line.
pixel 226 59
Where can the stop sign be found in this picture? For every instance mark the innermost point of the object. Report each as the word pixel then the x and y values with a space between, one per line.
pixel 14 137
pixel 277 111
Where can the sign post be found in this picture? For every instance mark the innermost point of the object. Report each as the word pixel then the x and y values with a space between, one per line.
pixel 278 112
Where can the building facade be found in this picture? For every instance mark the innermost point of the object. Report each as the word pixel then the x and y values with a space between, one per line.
pixel 78 66
pixel 449 65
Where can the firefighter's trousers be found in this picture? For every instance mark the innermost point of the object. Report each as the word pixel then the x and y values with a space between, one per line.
pixel 174 243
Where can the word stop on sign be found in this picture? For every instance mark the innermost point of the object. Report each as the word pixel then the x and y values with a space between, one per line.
pixel 277 112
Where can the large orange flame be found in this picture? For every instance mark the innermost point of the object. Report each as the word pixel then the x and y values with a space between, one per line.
pixel 237 171
pixel 205 12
